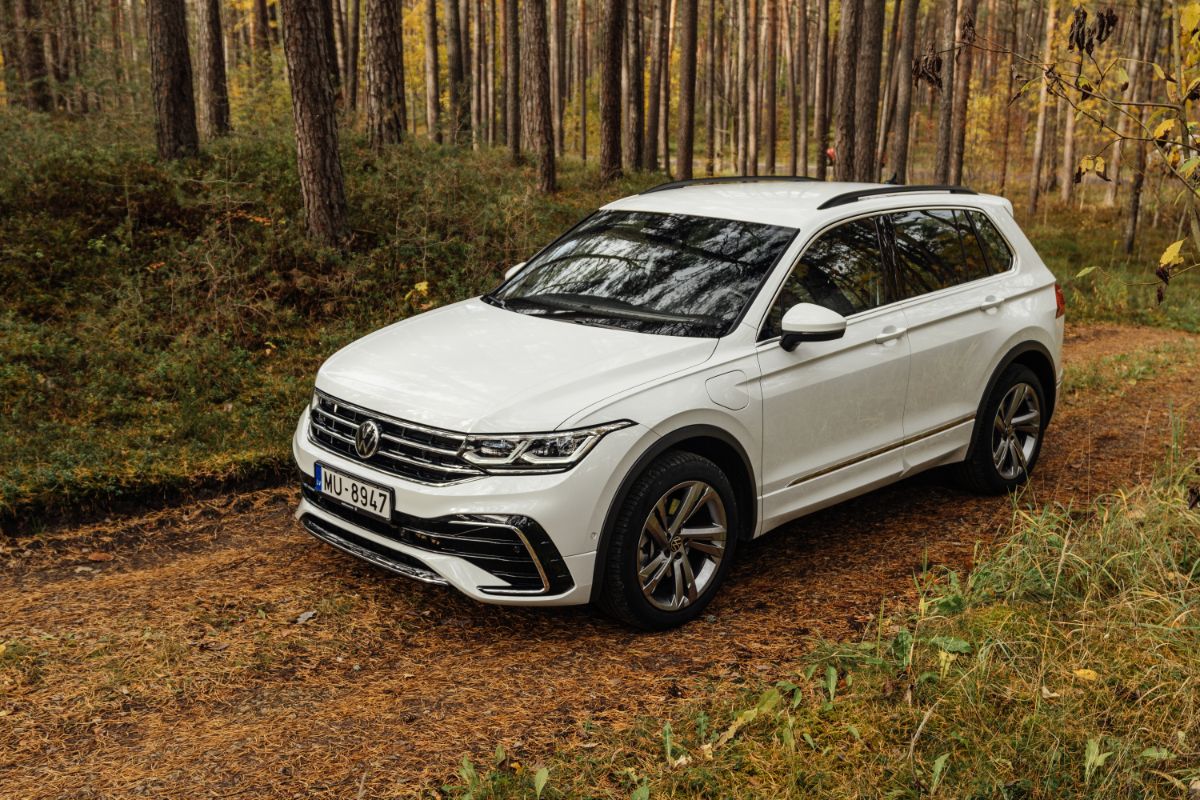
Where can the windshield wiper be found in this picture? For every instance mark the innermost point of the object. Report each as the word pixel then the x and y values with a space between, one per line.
pixel 605 307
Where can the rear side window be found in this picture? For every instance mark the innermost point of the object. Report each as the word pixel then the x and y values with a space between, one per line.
pixel 842 270
pixel 935 249
pixel 1000 258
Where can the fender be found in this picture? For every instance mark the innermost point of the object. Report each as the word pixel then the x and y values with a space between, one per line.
pixel 660 446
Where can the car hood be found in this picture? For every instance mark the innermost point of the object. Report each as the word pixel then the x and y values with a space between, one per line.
pixel 473 367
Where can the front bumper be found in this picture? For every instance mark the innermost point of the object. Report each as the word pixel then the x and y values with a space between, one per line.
pixel 507 539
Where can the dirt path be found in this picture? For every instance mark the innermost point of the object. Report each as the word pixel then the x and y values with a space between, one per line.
pixel 160 656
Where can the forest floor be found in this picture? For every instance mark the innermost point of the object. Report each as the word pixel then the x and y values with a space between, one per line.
pixel 215 650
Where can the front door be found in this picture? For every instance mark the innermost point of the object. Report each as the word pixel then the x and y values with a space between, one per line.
pixel 833 411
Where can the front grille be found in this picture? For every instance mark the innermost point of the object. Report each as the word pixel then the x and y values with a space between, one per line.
pixel 514 549
pixel 411 451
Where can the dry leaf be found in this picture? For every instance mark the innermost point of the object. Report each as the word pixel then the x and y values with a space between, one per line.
pixel 1089 675
pixel 305 617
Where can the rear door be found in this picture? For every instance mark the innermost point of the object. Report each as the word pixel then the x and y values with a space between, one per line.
pixel 953 281
pixel 833 412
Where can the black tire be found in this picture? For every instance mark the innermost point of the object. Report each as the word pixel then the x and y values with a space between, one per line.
pixel 980 472
pixel 669 479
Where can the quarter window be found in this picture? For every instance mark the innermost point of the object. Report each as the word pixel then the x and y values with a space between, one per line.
pixel 842 271
pixel 935 249
pixel 999 257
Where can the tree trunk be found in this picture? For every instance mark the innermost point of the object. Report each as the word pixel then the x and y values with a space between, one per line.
pixel 535 60
pixel 658 37
pixel 171 80
pixel 847 65
pixel 687 89
pixel 710 90
pixel 512 79
pixel 433 99
pixel 962 92
pixel 800 87
pixel 866 90
pixel 1066 170
pixel 743 88
pixel 582 73
pixel 904 91
pixel 1039 137
pixel 213 82
pixel 352 60
pixel 385 73
pixel 632 84
pixel 557 47
pixel 1007 126
pixel 948 25
pixel 33 55
pixel 261 35
pixel 330 48
pixel 889 87
pixel 318 162
pixel 610 90
pixel 754 119
pixel 459 99
pixel 821 90
pixel 664 92
pixel 14 81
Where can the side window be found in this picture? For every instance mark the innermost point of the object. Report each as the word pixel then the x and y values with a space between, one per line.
pixel 999 257
pixel 935 249
pixel 842 271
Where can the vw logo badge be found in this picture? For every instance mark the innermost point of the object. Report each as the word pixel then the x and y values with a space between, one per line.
pixel 366 439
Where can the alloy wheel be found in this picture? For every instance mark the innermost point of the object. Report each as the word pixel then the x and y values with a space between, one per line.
pixel 681 545
pixel 1015 431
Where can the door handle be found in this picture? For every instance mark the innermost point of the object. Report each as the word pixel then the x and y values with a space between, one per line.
pixel 991 303
pixel 890 333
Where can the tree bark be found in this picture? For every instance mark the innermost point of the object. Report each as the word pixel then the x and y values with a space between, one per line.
pixel 771 85
pixel 962 92
pixel 821 90
pixel 845 116
pixel 800 87
pixel 582 73
pixel 535 60
pixel 512 79
pixel 330 49
pixel 866 91
pixel 658 37
pixel 459 109
pixel 1039 137
pixel 171 80
pixel 743 87
pixel 318 161
pixel 687 89
pixel 610 90
pixel 261 35
pixel 385 73
pixel 710 90
pixel 213 82
pixel 36 73
pixel 904 91
pixel 433 99
pixel 948 25
pixel 352 60
pixel 14 80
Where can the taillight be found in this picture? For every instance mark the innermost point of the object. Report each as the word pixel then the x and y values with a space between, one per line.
pixel 1060 302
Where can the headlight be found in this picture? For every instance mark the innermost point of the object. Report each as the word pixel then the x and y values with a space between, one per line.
pixel 535 452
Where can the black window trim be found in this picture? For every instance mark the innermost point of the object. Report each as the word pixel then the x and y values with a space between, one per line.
pixel 887 244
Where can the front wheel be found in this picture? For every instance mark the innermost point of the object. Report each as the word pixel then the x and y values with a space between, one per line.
pixel 1008 434
pixel 672 543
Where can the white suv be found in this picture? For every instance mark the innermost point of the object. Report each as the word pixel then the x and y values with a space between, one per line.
pixel 683 371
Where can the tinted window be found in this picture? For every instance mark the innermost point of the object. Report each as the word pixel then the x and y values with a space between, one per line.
pixel 658 273
pixel 998 255
pixel 842 271
pixel 932 251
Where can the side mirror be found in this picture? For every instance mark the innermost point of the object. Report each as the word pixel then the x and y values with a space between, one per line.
pixel 513 270
pixel 807 322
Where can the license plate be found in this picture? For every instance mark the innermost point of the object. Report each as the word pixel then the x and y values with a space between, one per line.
pixel 355 492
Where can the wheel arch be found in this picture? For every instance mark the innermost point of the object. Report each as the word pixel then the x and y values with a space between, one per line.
pixel 1034 355
pixel 709 441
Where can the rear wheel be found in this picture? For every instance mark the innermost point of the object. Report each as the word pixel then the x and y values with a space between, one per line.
pixel 672 543
pixel 1008 434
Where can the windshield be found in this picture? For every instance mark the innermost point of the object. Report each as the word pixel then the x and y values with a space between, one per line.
pixel 670 274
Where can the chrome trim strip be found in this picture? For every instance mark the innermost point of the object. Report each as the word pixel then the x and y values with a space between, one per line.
pixel 441 451
pixel 396 420
pixel 882 450
pixel 528 547
pixel 449 470
pixel 314 527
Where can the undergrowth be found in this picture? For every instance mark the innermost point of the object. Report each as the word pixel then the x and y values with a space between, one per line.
pixel 1065 665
